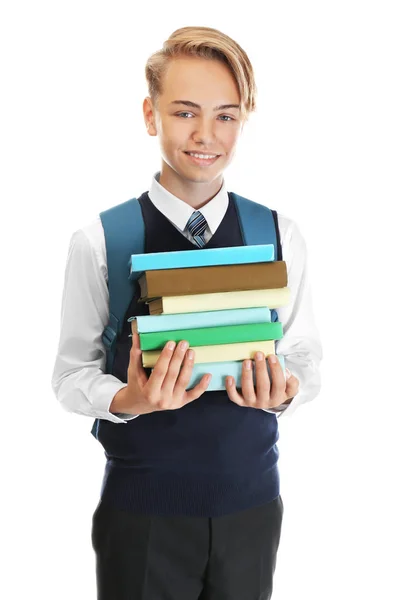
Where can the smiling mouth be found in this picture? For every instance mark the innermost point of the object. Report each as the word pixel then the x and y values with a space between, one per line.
pixel 200 159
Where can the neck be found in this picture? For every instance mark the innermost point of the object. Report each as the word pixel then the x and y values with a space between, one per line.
pixel 194 193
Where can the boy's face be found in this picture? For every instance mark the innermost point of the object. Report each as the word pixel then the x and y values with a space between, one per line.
pixel 184 128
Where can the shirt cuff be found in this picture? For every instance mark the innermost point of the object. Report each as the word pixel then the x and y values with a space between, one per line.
pixel 122 416
pixel 104 400
pixel 278 409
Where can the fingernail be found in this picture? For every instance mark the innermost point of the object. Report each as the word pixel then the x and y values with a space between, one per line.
pixel 229 380
pixel 272 358
pixel 190 354
pixel 184 345
pixel 171 345
pixel 247 364
pixel 259 355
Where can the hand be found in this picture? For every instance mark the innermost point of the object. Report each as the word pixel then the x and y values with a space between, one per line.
pixel 268 394
pixel 165 389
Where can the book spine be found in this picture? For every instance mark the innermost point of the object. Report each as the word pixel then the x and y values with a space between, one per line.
pixel 222 352
pixel 215 279
pixel 273 298
pixel 193 320
pixel 202 257
pixel 221 370
pixel 211 336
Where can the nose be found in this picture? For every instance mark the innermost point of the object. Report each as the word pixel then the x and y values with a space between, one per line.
pixel 204 133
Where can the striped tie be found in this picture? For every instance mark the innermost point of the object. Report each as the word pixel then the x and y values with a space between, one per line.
pixel 196 227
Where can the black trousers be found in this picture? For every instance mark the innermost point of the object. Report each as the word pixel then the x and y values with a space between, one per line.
pixel 140 557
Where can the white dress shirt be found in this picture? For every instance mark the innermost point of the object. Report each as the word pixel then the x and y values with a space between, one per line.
pixel 79 380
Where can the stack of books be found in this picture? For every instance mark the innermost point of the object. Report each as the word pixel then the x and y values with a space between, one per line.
pixel 219 300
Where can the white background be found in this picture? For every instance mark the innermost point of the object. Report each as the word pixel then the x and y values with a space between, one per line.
pixel 323 149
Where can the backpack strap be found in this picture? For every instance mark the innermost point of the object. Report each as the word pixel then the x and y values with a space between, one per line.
pixel 124 235
pixel 256 222
pixel 259 225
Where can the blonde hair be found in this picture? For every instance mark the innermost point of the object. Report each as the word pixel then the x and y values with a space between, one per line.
pixel 204 42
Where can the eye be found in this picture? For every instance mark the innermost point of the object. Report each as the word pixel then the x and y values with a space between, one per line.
pixel 225 118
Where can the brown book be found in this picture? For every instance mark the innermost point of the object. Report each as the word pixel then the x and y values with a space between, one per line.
pixel 210 280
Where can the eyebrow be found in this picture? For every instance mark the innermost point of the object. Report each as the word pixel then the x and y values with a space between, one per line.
pixel 194 105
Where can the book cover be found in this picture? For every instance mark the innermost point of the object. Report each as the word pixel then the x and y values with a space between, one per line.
pixel 214 279
pixel 202 257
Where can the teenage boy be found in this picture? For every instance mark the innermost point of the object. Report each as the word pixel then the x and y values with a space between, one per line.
pixel 190 505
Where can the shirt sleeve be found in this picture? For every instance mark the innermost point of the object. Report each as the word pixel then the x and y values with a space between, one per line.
pixel 300 344
pixel 79 380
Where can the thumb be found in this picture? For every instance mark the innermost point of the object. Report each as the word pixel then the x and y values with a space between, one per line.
pixel 292 384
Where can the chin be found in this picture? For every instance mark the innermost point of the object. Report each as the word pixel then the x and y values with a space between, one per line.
pixel 201 177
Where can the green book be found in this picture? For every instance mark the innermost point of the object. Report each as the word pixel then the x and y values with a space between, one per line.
pixel 210 336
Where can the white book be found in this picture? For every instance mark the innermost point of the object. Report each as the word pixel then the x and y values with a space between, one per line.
pixel 218 352
pixel 273 298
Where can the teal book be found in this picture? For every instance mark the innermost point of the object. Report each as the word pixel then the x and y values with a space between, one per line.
pixel 179 259
pixel 194 320
pixel 220 370
pixel 213 336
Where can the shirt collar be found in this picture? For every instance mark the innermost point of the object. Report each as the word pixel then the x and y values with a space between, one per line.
pixel 179 212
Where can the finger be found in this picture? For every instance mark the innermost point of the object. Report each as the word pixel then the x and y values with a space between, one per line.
pixel 292 386
pixel 185 374
pixel 278 383
pixel 248 391
pixel 198 390
pixel 135 367
pixel 230 386
pixel 200 387
pixel 175 364
pixel 160 369
pixel 263 383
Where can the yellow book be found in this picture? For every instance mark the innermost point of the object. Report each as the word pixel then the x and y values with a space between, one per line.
pixel 273 298
pixel 218 353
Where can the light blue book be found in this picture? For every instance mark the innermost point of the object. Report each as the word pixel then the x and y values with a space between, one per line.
pixel 232 255
pixel 220 370
pixel 194 320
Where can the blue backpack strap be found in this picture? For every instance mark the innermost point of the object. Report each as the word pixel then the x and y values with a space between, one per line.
pixel 259 225
pixel 124 235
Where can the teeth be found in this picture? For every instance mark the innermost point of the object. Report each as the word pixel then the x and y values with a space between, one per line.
pixel 202 155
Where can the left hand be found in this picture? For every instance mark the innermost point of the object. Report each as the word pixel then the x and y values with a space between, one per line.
pixel 267 394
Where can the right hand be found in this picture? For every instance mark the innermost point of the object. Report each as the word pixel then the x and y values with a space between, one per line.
pixel 165 389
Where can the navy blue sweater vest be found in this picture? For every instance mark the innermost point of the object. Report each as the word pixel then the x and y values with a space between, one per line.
pixel 209 458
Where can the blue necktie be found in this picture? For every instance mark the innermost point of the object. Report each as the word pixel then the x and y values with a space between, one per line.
pixel 196 227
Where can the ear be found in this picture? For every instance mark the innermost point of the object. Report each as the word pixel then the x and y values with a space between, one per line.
pixel 149 116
